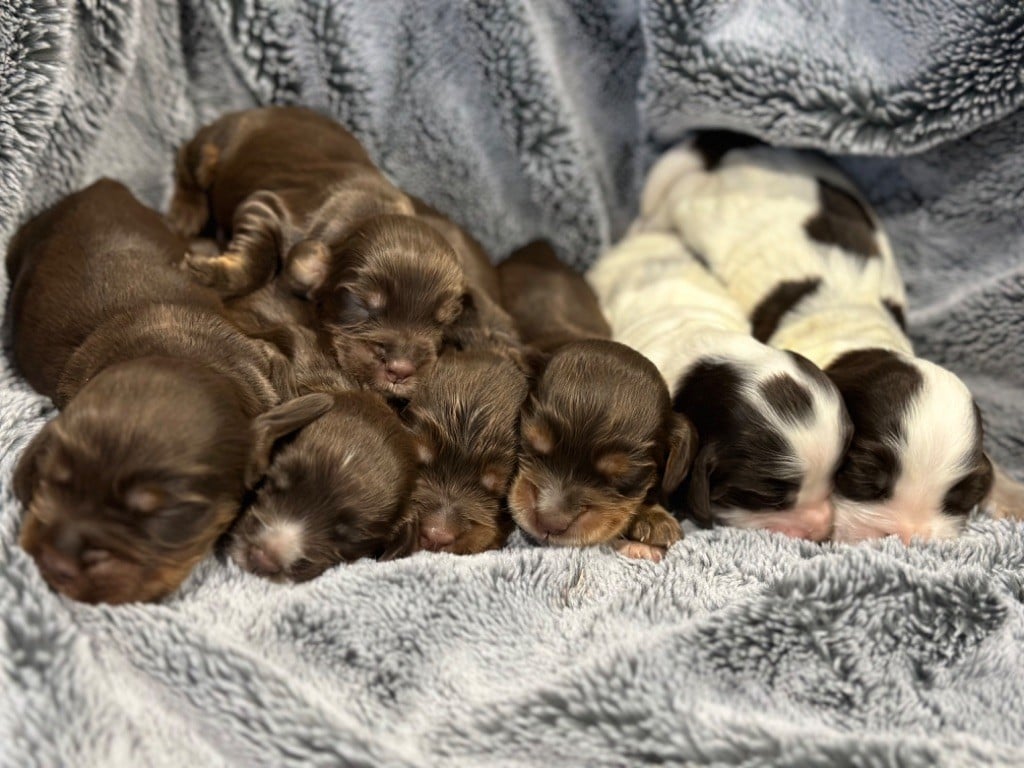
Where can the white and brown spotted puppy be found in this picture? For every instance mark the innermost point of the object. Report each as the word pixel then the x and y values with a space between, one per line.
pixel 805 257
pixel 771 426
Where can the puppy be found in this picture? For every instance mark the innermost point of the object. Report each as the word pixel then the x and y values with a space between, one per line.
pixel 464 422
pixel 297 195
pixel 599 440
pixel 805 255
pixel 61 290
pixel 339 469
pixel 772 427
pixel 144 467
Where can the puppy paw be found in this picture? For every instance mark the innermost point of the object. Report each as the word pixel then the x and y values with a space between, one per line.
pixel 654 526
pixel 635 550
pixel 224 272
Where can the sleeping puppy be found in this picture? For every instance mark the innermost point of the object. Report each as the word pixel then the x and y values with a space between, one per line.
pixel 96 253
pixel 296 196
pixel 599 441
pixel 144 467
pixel 805 256
pixel 339 469
pixel 772 428
pixel 464 420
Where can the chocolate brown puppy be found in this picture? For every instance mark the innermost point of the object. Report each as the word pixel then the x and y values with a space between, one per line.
pixel 338 473
pixel 96 253
pixel 295 195
pixel 599 441
pixel 144 468
pixel 464 421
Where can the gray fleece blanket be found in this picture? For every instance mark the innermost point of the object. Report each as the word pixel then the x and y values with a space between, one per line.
pixel 526 118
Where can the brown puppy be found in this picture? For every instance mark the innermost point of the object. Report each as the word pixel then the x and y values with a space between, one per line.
pixel 336 490
pixel 464 419
pixel 133 482
pixel 600 444
pixel 96 253
pixel 295 192
pixel 484 324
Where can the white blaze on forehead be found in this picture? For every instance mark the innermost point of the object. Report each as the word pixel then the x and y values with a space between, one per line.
pixel 817 441
pixel 283 540
pixel 938 442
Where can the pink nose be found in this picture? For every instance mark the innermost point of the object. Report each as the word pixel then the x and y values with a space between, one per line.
pixel 399 370
pixel 433 537
pixel 553 527
pixel 262 563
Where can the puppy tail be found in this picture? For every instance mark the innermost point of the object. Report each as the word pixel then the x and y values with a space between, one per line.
pixel 1006 499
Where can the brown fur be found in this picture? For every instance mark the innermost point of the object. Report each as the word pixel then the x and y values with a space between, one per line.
pixel 296 193
pixel 96 253
pixel 600 443
pixel 464 419
pixel 145 467
pixel 342 479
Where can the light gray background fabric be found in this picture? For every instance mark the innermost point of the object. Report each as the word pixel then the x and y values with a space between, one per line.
pixel 526 118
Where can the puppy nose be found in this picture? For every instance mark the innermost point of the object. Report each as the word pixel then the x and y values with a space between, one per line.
pixel 57 569
pixel 262 563
pixel 399 370
pixel 433 537
pixel 553 527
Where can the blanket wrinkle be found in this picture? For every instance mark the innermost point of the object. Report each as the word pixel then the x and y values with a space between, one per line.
pixel 520 120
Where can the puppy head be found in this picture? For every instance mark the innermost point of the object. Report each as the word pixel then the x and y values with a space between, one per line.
pixel 772 433
pixel 129 487
pixel 464 421
pixel 596 434
pixel 385 296
pixel 339 470
pixel 916 467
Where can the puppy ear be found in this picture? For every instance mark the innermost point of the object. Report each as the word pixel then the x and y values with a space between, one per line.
pixel 699 496
pixel 306 266
pixel 682 446
pixel 404 540
pixel 279 422
pixel 26 473
pixel 1006 498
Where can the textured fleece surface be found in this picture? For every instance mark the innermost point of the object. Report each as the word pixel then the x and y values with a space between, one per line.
pixel 526 118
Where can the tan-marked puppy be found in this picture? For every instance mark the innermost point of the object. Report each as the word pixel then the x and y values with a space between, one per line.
pixel 599 441
pixel 338 473
pixel 294 194
pixel 465 423
pixel 145 466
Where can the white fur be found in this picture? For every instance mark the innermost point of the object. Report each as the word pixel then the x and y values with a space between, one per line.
pixel 938 437
pixel 662 302
pixel 746 218
pixel 284 540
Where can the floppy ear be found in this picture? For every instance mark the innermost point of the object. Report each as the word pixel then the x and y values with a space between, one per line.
pixel 1006 499
pixel 278 422
pixel 26 473
pixel 682 446
pixel 698 497
pixel 306 266
pixel 404 540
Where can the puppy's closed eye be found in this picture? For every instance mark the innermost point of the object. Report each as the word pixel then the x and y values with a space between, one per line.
pixel 867 472
pixel 624 472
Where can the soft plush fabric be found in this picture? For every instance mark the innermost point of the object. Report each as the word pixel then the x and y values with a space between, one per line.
pixel 526 118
